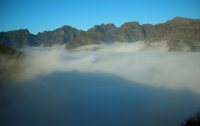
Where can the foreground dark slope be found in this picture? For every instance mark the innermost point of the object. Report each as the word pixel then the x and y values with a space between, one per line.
pixel 10 62
pixel 177 32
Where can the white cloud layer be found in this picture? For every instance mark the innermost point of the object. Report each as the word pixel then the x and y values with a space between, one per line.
pixel 154 66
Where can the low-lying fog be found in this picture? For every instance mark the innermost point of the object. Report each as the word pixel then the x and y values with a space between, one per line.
pixel 116 84
pixel 132 61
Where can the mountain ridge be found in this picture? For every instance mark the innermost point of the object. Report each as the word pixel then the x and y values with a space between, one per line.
pixel 177 32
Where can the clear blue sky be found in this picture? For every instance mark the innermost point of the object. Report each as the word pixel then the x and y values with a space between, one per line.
pixel 40 15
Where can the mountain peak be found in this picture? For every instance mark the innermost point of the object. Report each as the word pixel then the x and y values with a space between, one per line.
pixel 130 24
pixel 103 27
pixel 18 31
pixel 180 20
pixel 66 28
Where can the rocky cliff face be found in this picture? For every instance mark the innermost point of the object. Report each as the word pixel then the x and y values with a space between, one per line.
pixel 21 38
pixel 178 33
pixel 128 32
pixel 18 38
pixel 59 36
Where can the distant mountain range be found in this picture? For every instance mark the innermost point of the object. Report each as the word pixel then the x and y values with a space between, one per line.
pixel 177 32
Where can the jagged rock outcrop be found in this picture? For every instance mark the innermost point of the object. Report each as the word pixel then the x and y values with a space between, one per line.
pixel 179 33
pixel 21 38
pixel 18 38
pixel 58 36
pixel 128 32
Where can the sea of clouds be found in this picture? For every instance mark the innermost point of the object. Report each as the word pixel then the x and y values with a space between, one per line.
pixel 154 66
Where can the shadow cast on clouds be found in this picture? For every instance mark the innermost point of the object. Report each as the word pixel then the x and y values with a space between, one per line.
pixel 78 98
